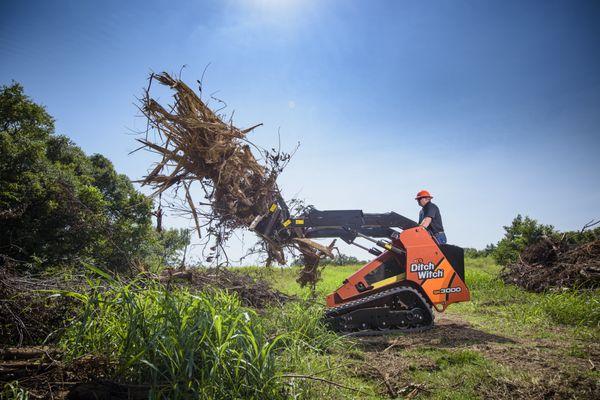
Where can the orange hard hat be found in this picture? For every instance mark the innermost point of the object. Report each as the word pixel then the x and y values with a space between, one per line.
pixel 423 193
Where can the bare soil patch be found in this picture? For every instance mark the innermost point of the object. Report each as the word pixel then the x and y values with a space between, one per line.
pixel 550 371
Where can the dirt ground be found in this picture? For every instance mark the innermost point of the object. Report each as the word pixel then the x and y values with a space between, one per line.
pixel 538 368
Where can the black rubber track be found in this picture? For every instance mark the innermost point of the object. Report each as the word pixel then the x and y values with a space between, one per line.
pixel 382 301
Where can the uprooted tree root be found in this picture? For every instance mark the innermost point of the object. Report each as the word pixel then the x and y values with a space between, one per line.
pixel 197 146
pixel 551 263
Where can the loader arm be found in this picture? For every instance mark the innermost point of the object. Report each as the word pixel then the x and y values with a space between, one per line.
pixel 343 224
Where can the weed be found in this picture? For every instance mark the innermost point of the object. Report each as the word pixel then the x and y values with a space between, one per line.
pixel 12 391
pixel 180 343
pixel 572 308
pixel 460 358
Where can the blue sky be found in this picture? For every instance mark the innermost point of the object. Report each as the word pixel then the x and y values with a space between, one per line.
pixel 492 106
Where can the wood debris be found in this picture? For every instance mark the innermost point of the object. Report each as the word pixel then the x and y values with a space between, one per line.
pixel 197 147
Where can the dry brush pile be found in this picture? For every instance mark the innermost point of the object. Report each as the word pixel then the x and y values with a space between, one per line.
pixel 554 263
pixel 198 147
pixel 28 312
pixel 252 292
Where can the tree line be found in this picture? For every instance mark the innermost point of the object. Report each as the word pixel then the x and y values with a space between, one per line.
pixel 60 207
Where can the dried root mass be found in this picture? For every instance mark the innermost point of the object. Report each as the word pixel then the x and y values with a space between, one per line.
pixel 197 146
pixel 552 263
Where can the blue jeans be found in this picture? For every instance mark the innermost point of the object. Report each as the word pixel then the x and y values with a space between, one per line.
pixel 440 237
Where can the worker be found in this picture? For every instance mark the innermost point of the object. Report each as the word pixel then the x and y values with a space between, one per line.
pixel 430 217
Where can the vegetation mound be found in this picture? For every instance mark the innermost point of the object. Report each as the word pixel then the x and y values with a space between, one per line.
pixel 554 263
pixel 33 312
pixel 257 293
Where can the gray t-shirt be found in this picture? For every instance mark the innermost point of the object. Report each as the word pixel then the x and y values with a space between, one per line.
pixel 431 210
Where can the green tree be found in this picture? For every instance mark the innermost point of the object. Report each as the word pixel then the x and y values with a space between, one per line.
pixel 58 206
pixel 474 253
pixel 521 233
pixel 172 246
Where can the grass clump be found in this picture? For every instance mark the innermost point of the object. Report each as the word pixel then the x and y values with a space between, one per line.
pixel 12 391
pixel 460 358
pixel 181 344
pixel 301 324
pixel 573 308
pixel 312 352
pixel 456 374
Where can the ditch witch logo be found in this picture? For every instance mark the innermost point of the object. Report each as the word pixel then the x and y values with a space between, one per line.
pixel 426 271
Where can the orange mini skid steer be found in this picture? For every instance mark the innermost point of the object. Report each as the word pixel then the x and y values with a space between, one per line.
pixel 396 292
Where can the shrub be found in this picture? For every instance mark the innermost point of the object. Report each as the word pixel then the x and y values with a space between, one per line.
pixel 521 233
pixel 474 253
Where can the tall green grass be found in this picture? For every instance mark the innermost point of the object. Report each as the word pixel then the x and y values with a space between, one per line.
pixel 207 345
pixel 184 345
pixel 572 307
pixel 311 350
pixel 300 323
